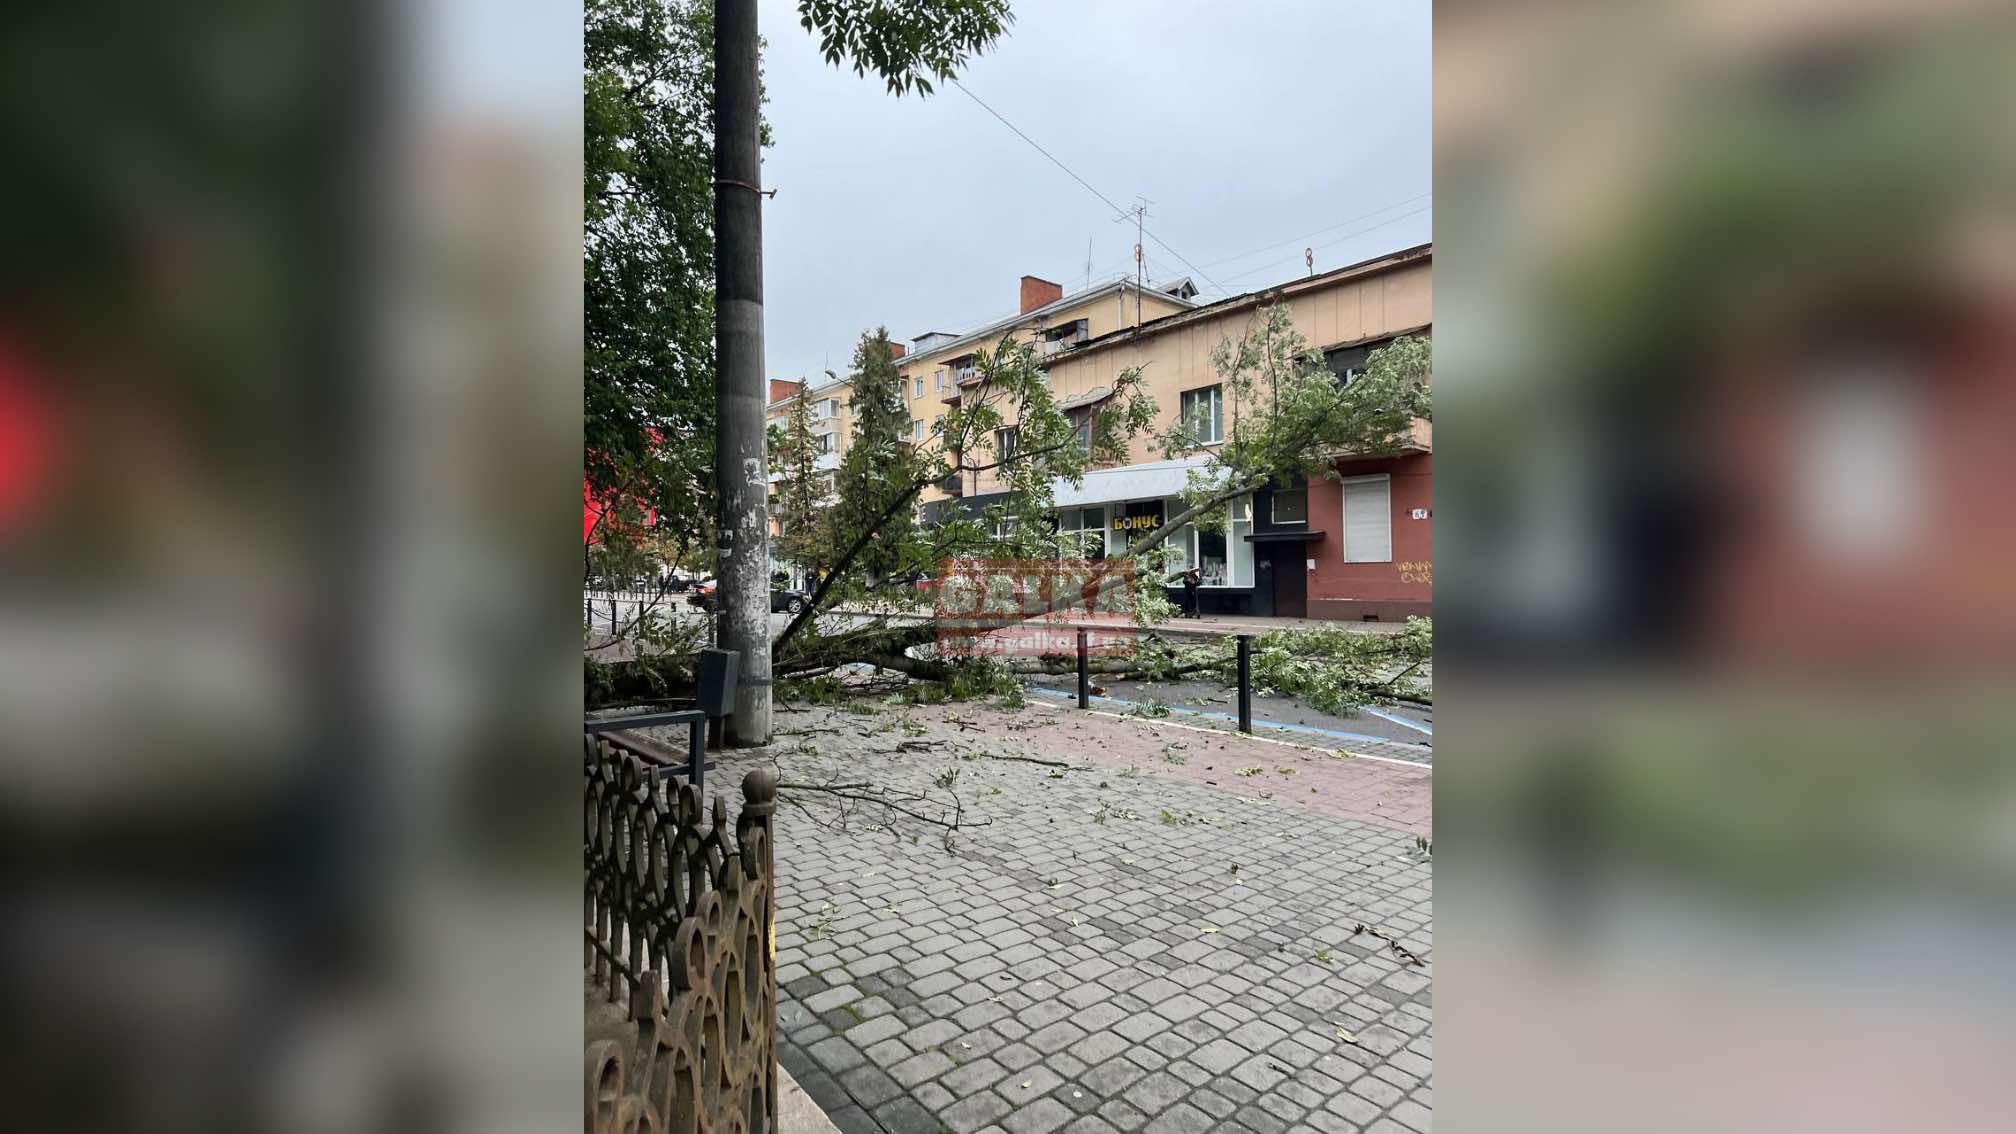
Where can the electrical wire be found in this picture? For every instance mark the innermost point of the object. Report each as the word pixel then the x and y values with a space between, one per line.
pixel 1054 160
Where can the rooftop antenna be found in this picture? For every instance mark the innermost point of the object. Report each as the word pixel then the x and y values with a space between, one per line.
pixel 1139 212
pixel 1309 258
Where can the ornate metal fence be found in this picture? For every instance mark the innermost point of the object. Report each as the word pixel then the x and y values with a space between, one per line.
pixel 681 981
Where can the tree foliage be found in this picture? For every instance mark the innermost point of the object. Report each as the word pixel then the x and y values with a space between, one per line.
pixel 1288 416
pixel 648 258
pixel 906 44
pixel 804 533
pixel 877 469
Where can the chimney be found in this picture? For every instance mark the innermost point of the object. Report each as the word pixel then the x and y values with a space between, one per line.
pixel 1037 291
pixel 781 388
pixel 897 350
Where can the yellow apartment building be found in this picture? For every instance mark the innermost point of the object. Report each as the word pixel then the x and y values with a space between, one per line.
pixel 1355 547
pixel 933 364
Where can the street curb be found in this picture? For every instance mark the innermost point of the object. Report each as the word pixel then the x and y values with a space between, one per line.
pixel 796 1112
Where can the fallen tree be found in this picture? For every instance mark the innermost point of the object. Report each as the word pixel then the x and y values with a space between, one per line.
pixel 1291 419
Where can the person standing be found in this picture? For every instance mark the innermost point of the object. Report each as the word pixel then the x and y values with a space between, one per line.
pixel 1191 579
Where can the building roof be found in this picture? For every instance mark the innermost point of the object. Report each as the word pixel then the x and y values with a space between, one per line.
pixel 1420 253
pixel 814 391
pixel 1050 308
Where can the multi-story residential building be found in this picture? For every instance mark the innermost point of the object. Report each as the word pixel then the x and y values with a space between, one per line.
pixel 1356 547
pixel 940 364
pixel 934 364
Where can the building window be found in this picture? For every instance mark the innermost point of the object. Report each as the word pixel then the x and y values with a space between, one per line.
pixel 1368 519
pixel 917 429
pixel 1081 425
pixel 1081 533
pixel 939 376
pixel 1291 506
pixel 825 442
pixel 917 387
pixel 1005 442
pixel 1349 362
pixel 830 408
pixel 1204 414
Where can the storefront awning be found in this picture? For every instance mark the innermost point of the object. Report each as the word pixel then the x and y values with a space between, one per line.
pixel 1132 482
pixel 1286 537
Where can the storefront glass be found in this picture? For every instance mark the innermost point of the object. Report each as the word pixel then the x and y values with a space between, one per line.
pixel 1242 548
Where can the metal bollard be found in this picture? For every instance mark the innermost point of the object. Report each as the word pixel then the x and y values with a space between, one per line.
pixel 1246 683
pixel 696 755
pixel 1084 674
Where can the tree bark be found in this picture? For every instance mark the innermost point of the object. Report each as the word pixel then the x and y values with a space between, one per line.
pixel 740 463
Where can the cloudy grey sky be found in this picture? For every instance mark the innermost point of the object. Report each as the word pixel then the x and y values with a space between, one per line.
pixel 1254 129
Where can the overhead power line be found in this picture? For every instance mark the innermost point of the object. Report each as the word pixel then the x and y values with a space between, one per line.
pixel 1054 160
pixel 1320 231
pixel 1341 239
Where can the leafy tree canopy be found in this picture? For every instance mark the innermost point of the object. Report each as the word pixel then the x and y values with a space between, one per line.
pixel 905 42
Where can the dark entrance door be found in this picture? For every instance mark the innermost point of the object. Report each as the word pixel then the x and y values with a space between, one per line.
pixel 1291 580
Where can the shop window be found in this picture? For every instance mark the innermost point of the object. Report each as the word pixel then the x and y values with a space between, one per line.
pixel 1211 561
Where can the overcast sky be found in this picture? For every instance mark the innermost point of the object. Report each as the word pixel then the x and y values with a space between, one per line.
pixel 1249 127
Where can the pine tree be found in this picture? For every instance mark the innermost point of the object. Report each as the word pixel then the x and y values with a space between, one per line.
pixel 879 461
pixel 802 516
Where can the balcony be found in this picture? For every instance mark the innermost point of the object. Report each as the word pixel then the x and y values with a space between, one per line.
pixel 954 484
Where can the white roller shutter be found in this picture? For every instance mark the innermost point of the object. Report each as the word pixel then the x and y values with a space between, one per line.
pixel 1368 520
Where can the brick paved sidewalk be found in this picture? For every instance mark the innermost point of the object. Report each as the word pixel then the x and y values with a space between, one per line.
pixel 1148 941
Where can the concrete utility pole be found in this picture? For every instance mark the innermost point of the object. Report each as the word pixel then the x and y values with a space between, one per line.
pixel 740 463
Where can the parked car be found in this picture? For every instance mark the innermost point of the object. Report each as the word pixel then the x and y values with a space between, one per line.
pixel 781 601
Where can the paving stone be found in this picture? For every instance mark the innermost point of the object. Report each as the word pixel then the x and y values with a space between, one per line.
pixel 979 963
pixel 1413 1115
pixel 888 1053
pixel 907 1116
pixel 932 1097
pixel 975 1112
pixel 921 1067
pixel 870 1086
pixel 1056 1037
pixel 1137 1029
pixel 1182 1119
pixel 1123 1115
pixel 1040 1117
pixel 1213 1103
pixel 1023 1086
pixel 853 1120
pixel 837 1055
pixel 1016 1056
pixel 1100 1046
pixel 969 1078
pixel 1156 1091
pixel 936 983
pixel 874 1031
pixel 832 998
pixel 932 1034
